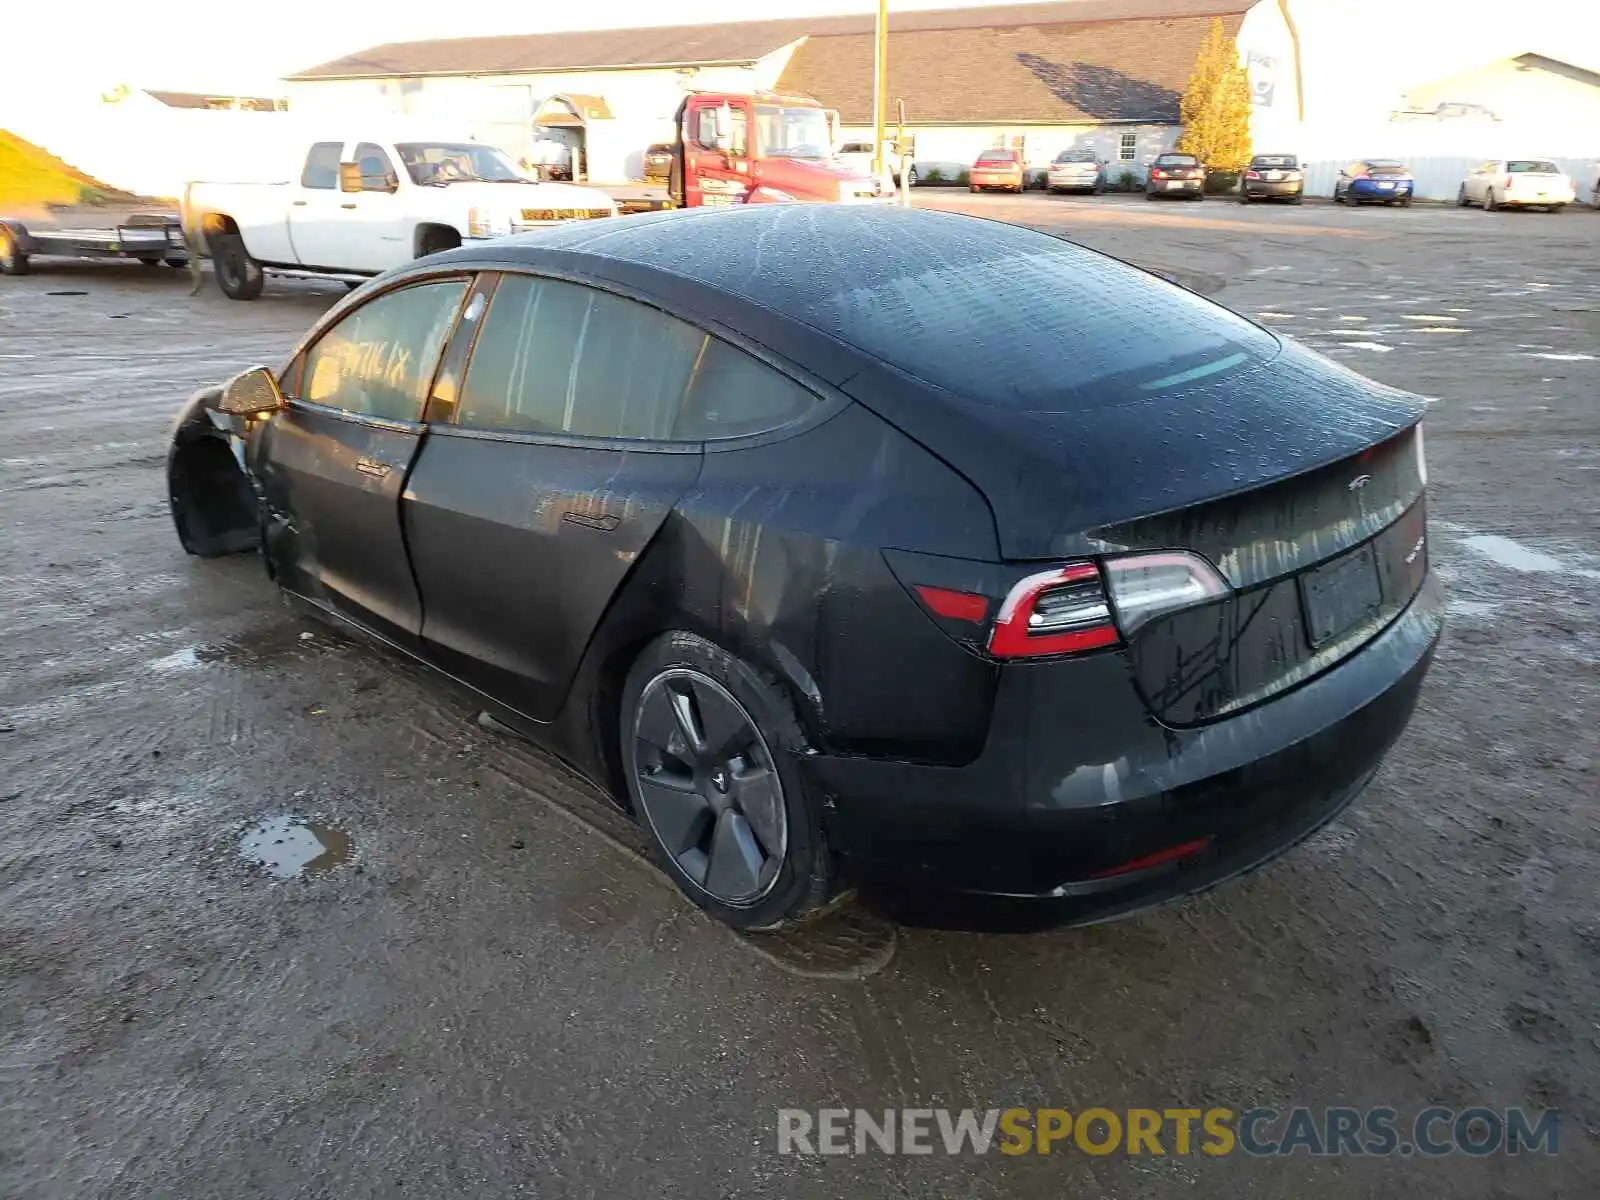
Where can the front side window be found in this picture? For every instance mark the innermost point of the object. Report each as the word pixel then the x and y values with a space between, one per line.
pixel 377 175
pixel 379 360
pixel 436 164
pixel 559 358
pixel 322 166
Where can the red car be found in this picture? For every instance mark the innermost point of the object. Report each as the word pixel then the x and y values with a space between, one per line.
pixel 998 169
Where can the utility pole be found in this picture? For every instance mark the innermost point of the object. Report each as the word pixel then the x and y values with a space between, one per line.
pixel 880 85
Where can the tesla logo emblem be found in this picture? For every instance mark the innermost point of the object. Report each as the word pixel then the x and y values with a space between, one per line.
pixel 1359 482
pixel 1416 550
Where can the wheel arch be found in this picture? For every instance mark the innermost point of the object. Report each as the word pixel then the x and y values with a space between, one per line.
pixel 211 498
pixel 430 237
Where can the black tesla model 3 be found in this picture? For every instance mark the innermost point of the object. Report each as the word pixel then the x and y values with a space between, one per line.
pixel 856 544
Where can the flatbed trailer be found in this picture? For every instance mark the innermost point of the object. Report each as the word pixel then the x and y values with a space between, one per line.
pixel 152 238
pixel 641 198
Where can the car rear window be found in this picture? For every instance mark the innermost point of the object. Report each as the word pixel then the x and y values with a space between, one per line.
pixel 1532 166
pixel 1274 160
pixel 1179 160
pixel 999 156
pixel 1012 318
pixel 1386 168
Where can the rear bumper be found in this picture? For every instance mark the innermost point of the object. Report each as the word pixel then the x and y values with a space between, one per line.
pixel 1364 190
pixel 1175 187
pixel 1273 187
pixel 1085 183
pixel 986 179
pixel 1513 200
pixel 1077 782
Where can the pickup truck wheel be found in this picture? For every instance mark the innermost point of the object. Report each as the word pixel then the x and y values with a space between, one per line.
pixel 238 275
pixel 12 260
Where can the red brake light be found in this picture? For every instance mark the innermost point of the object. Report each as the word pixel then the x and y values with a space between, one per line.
pixel 1510 182
pixel 958 606
pixel 1157 173
pixel 1063 611
pixel 1252 174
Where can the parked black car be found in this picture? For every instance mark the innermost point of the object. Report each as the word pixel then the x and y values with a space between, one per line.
pixel 1176 175
pixel 1055 581
pixel 658 162
pixel 1273 177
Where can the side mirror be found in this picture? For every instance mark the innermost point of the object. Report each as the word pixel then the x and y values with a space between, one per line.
pixel 349 177
pixel 725 127
pixel 251 393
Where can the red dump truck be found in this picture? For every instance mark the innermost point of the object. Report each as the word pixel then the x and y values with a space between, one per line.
pixel 761 148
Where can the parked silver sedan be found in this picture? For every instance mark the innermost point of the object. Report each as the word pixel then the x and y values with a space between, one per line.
pixel 1076 171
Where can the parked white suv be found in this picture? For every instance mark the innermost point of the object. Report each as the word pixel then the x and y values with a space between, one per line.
pixel 1518 183
pixel 358 208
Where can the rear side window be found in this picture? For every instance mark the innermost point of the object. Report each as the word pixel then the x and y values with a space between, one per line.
pixel 379 360
pixel 322 166
pixel 559 358
pixel 733 394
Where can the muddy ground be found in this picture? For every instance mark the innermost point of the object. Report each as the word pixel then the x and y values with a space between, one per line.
pixel 493 996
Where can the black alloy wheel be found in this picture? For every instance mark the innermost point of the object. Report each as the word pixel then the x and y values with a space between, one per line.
pixel 708 748
pixel 708 786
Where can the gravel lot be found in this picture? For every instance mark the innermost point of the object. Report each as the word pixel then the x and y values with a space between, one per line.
pixel 495 996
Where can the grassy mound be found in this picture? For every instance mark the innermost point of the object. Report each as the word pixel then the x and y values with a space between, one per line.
pixel 33 178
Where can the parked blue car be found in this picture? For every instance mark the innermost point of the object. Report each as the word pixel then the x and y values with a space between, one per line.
pixel 1374 181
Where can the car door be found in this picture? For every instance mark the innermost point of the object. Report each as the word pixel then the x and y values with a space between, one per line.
pixel 378 236
pixel 319 213
pixel 333 461
pixel 546 476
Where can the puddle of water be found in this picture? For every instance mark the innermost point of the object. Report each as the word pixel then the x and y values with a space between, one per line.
pixel 287 847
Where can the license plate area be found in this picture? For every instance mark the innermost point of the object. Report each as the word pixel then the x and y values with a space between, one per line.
pixel 1340 595
pixel 1174 183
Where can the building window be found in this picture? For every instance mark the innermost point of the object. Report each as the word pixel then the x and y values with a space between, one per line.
pixel 1128 150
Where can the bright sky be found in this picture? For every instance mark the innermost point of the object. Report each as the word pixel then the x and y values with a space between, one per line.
pixel 244 48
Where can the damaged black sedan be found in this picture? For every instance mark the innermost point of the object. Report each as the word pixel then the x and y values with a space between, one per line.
pixel 856 545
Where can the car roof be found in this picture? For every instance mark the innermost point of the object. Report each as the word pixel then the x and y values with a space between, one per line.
pixel 814 283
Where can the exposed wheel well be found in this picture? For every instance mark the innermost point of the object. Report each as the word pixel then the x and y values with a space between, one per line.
pixel 433 238
pixel 213 504
pixel 218 223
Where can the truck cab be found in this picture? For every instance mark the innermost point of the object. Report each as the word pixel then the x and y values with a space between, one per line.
pixel 762 149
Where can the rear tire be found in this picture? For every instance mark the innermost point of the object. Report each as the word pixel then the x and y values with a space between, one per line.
pixel 1490 204
pixel 12 260
pixel 238 275
pixel 742 839
pixel 1461 197
pixel 1555 208
pixel 1297 198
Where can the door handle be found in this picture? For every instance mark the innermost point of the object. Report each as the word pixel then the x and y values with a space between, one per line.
pixel 299 203
pixel 347 206
pixel 371 466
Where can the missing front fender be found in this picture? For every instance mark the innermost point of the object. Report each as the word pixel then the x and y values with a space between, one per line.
pixel 213 505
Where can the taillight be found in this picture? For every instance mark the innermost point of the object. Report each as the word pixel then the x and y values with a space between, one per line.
pixel 1157 173
pixel 1069 609
pixel 1146 586
pixel 1510 182
pixel 1252 174
pixel 1064 611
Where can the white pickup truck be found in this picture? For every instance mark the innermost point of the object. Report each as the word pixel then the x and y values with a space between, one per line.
pixel 358 208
